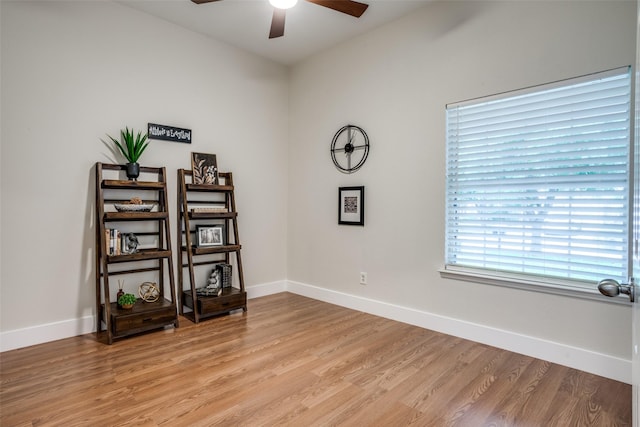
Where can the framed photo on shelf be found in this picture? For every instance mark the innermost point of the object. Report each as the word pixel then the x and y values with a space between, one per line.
pixel 351 206
pixel 129 243
pixel 205 168
pixel 210 235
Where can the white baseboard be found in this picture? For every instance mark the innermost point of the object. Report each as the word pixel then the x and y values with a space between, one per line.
pixel 265 289
pixel 39 334
pixel 562 354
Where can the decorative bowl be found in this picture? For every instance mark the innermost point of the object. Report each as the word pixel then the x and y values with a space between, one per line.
pixel 130 207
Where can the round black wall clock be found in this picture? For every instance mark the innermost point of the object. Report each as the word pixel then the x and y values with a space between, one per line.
pixel 349 148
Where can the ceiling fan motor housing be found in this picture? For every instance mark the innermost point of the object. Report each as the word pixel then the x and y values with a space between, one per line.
pixel 350 7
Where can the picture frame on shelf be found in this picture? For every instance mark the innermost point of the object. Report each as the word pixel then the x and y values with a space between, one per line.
pixel 205 168
pixel 210 235
pixel 351 205
pixel 130 243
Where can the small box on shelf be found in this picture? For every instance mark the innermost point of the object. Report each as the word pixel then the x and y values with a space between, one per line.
pixel 225 274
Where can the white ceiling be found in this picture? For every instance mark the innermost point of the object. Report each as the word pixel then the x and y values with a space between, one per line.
pixel 309 28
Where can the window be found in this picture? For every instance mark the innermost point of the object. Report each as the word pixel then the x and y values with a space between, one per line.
pixel 538 183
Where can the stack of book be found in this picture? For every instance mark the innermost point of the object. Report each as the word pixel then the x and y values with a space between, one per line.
pixel 221 209
pixel 113 241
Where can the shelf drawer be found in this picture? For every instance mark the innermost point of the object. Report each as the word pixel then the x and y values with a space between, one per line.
pixel 127 324
pixel 222 303
pixel 232 300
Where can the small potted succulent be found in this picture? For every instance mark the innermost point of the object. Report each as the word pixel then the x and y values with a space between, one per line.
pixel 132 147
pixel 126 301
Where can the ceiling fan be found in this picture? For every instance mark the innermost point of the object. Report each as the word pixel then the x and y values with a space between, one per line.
pixel 350 7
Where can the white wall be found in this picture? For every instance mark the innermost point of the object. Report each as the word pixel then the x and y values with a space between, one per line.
pixel 395 83
pixel 73 72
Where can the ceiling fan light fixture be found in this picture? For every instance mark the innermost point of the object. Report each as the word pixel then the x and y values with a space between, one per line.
pixel 283 4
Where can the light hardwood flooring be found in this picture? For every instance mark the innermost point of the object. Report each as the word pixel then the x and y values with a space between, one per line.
pixel 295 361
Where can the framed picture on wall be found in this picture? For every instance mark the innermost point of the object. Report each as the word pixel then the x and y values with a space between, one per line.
pixel 210 235
pixel 205 168
pixel 351 205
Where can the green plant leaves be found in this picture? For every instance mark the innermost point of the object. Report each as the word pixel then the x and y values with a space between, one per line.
pixel 127 299
pixel 134 145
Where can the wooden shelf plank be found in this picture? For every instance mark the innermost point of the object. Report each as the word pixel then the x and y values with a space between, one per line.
pixel 141 255
pixel 135 216
pixel 209 187
pixel 215 249
pixel 213 215
pixel 140 307
pixel 125 184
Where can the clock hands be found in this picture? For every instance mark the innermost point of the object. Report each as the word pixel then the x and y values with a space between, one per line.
pixel 349 147
pixel 354 148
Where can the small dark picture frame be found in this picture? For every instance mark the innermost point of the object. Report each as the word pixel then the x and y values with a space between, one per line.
pixel 351 206
pixel 210 235
pixel 205 168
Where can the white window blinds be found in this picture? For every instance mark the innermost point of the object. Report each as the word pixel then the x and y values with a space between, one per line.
pixel 538 180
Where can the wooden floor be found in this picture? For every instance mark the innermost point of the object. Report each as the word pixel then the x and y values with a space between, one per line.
pixel 295 361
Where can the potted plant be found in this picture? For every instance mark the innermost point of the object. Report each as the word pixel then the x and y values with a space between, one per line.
pixel 132 147
pixel 127 300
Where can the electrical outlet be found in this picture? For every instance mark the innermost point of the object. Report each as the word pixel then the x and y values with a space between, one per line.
pixel 363 278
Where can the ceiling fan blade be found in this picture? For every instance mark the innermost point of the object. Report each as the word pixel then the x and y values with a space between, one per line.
pixel 203 1
pixel 277 23
pixel 349 7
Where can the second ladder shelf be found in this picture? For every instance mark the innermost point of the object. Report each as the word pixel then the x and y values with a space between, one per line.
pixel 208 228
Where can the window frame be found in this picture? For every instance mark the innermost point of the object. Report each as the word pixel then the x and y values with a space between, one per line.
pixel 553 285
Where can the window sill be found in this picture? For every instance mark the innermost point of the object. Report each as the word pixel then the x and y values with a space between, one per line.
pixel 568 289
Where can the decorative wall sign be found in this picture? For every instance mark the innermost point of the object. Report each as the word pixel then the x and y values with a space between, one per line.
pixel 351 205
pixel 169 133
